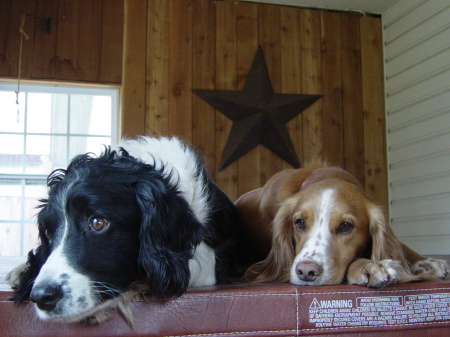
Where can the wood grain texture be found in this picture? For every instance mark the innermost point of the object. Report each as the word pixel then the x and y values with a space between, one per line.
pixel 311 83
pixel 90 26
pixel 85 43
pixel 157 68
pixel 331 58
pixel 132 103
pixel 307 51
pixel 112 41
pixel 180 69
pixel 44 57
pixel 269 39
pixel 67 46
pixel 353 122
pixel 373 109
pixel 203 77
pixel 291 71
pixel 249 167
pixel 171 47
pixel 226 79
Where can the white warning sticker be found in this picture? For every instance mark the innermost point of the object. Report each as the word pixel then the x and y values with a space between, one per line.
pixel 379 311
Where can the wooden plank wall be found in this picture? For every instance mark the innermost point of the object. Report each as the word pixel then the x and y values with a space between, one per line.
pixel 173 46
pixel 206 44
pixel 85 43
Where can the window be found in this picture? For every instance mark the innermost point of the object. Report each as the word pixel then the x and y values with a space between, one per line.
pixel 51 124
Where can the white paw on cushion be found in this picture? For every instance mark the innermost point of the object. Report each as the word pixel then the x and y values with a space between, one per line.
pixel 373 274
pixel 432 267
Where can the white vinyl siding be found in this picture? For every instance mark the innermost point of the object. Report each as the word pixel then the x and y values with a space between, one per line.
pixel 417 70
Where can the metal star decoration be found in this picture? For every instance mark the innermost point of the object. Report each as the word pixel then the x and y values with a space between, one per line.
pixel 259 115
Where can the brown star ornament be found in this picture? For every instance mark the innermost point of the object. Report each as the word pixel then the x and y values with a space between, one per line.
pixel 259 115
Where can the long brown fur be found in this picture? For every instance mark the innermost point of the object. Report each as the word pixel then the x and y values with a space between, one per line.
pixel 269 240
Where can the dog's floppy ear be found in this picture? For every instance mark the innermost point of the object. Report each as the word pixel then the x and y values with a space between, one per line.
pixel 276 267
pixel 168 235
pixel 385 244
pixel 22 278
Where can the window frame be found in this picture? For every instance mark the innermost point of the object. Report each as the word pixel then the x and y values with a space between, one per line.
pixel 25 179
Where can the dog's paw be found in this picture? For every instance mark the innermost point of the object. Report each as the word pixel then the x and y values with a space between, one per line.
pixel 431 267
pixel 373 274
pixel 13 277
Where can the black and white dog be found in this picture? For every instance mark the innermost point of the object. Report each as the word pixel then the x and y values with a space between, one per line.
pixel 145 214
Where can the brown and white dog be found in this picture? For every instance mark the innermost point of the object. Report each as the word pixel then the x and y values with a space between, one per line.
pixel 317 226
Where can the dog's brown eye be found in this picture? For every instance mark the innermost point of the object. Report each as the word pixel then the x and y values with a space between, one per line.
pixel 344 227
pixel 48 235
pixel 300 224
pixel 98 224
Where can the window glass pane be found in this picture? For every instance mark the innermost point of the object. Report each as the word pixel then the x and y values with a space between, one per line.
pixel 45 153
pixel 8 112
pixel 30 237
pixel 39 113
pixel 47 113
pixel 101 116
pixel 90 115
pixel 11 153
pixel 79 145
pixel 11 201
pixel 10 239
pixel 33 193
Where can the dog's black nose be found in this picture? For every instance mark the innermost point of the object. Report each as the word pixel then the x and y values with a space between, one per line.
pixel 46 296
pixel 308 271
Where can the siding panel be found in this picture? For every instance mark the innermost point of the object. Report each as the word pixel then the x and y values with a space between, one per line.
pixel 417 64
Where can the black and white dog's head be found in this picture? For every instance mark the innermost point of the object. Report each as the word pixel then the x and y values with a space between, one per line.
pixel 108 222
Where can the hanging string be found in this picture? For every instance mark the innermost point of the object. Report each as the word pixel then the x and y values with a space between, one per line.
pixel 22 35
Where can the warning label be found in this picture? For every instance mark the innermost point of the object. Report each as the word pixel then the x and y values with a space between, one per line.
pixel 379 311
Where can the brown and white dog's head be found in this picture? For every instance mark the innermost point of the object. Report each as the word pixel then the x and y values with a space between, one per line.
pixel 320 228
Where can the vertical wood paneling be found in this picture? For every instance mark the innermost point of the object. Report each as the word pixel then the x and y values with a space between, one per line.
pixel 157 68
pixel 43 57
pixel 291 72
pixel 333 136
pixel 226 79
pixel 112 41
pixel 85 43
pixel 311 83
pixel 133 80
pixel 66 66
pixel 180 75
pixel 352 97
pixel 247 40
pixel 374 120
pixel 269 39
pixel 172 46
pixel 203 71
pixel 19 8
pixel 88 66
pixel 5 37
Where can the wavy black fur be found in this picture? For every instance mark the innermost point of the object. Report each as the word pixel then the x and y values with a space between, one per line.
pixel 153 232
